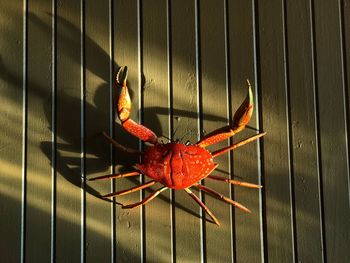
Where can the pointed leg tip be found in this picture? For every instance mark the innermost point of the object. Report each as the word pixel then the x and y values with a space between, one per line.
pixel 91 179
pixel 242 207
pixel 122 75
pixel 105 134
pixel 247 210
pixel 96 178
pixel 257 186
pixel 250 93
pixel 259 135
pixel 217 223
pixel 249 185
pixel 214 220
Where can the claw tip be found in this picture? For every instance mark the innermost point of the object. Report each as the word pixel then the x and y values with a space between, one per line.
pixel 248 82
pixel 122 75
pixel 250 93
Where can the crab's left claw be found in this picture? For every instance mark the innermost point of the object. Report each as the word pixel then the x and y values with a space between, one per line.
pixel 122 75
pixel 124 108
pixel 240 120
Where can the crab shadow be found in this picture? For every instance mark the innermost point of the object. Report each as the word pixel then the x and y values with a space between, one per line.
pixel 69 143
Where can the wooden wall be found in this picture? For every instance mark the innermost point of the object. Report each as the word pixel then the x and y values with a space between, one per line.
pixel 188 62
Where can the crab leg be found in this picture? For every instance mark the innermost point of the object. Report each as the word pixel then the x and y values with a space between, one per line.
pixel 222 197
pixel 124 108
pixel 114 176
pixel 204 207
pixel 131 190
pixel 121 147
pixel 245 184
pixel 240 120
pixel 147 199
pixel 238 144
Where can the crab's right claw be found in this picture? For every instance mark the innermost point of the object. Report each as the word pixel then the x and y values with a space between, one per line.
pixel 240 120
pixel 124 108
pixel 244 112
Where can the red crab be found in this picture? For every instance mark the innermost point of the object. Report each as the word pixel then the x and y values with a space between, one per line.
pixel 176 165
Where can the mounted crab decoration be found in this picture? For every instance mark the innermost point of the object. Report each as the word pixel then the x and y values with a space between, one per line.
pixel 176 165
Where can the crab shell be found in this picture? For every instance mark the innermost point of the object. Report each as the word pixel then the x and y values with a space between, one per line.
pixel 177 165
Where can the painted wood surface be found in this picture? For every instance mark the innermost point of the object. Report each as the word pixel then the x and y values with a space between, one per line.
pixel 12 131
pixel 188 63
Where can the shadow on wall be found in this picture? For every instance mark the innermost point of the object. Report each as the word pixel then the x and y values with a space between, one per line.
pixel 98 110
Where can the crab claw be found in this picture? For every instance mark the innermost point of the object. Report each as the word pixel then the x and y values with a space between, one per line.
pixel 122 75
pixel 244 112
pixel 124 108
pixel 240 120
pixel 124 102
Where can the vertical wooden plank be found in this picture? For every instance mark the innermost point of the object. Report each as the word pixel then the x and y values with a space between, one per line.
pixel 333 146
pixel 156 117
pixel 68 127
pixel 345 11
pixel 187 232
pixel 11 128
pixel 247 230
pixel 127 52
pixel 303 128
pixel 39 169
pixel 97 119
pixel 218 245
pixel 278 219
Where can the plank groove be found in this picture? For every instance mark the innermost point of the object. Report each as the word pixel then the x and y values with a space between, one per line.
pixel 157 225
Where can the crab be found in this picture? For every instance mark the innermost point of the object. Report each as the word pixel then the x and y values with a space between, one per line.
pixel 175 165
